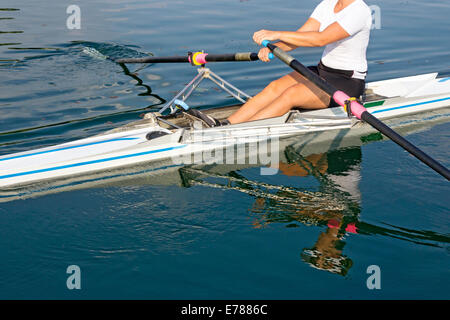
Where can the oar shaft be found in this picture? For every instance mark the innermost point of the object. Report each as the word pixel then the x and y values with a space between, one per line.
pixel 358 110
pixel 405 144
pixel 197 58
pixel 174 59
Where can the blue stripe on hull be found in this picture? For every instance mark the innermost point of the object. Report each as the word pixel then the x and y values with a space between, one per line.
pixel 67 148
pixel 89 162
pixel 411 105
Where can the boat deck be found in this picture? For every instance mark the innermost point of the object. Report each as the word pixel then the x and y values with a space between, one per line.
pixel 219 113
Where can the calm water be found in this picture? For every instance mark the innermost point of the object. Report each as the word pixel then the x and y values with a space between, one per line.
pixel 219 232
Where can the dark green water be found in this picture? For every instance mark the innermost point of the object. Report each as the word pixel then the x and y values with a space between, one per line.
pixel 226 232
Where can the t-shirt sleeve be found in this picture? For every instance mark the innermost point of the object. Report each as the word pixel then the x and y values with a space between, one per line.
pixel 318 12
pixel 355 20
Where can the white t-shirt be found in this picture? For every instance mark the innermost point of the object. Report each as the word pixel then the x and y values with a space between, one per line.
pixel 349 53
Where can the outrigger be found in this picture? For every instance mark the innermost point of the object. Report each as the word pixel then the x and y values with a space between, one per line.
pixel 171 132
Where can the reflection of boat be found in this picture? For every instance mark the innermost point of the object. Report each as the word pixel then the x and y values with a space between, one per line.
pixel 163 138
pixel 164 173
pixel 331 205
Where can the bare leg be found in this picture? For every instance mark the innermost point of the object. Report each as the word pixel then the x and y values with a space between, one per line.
pixel 265 97
pixel 303 95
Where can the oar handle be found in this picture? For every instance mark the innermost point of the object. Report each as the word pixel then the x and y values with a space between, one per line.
pixel 357 109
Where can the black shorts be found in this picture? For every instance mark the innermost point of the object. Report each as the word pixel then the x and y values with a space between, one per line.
pixel 341 80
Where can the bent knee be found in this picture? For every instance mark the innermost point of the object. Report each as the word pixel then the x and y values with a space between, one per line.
pixel 278 86
pixel 274 87
pixel 300 95
pixel 294 90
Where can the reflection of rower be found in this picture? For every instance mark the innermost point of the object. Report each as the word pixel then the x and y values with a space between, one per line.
pixel 338 172
pixel 327 253
pixel 331 207
pixel 340 167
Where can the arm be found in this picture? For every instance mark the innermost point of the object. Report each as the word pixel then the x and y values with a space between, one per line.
pixel 295 39
pixel 311 25
pixel 333 33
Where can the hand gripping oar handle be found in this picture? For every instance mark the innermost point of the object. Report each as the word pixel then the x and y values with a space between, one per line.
pixel 357 109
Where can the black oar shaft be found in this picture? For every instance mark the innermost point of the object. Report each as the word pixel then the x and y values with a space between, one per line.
pixel 174 59
pixel 241 56
pixel 201 57
pixel 405 144
pixel 361 112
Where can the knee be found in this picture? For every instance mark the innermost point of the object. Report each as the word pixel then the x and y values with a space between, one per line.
pixel 293 91
pixel 274 87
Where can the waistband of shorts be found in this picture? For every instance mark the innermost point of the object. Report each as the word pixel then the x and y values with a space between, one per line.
pixel 347 73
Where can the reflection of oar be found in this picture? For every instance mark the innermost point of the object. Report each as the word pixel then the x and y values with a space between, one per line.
pixel 356 108
pixel 197 58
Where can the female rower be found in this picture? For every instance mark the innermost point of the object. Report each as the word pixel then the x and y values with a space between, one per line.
pixel 343 27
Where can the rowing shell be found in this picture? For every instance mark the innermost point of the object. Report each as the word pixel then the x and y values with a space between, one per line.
pixel 129 145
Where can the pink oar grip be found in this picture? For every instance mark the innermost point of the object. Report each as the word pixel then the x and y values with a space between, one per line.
pixel 199 58
pixel 357 109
